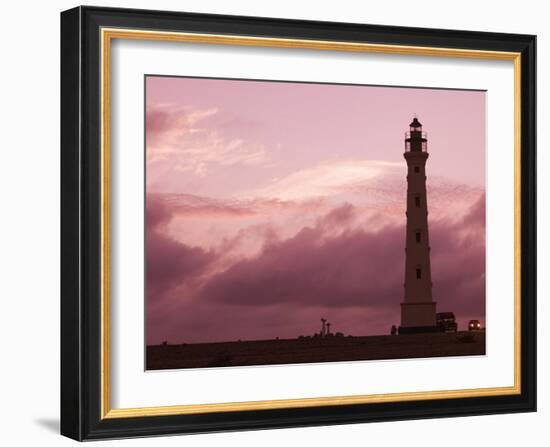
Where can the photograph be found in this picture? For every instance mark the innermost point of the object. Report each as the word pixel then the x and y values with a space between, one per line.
pixel 302 222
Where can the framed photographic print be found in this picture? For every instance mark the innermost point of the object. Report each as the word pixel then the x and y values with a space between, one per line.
pixel 277 223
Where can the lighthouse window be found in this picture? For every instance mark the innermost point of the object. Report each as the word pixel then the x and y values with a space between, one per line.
pixel 417 169
pixel 418 237
pixel 417 201
pixel 418 273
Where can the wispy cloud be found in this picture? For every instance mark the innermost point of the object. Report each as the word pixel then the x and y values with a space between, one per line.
pixel 182 139
pixel 330 178
pixel 375 184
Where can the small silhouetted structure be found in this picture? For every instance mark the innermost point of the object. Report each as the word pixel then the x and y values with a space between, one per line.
pixel 446 322
pixel 323 327
pixel 394 330
pixel 324 332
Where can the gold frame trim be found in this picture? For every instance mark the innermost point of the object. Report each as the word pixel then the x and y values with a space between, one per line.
pixel 107 35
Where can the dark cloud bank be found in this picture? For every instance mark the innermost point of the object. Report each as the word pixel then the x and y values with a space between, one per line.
pixel 352 277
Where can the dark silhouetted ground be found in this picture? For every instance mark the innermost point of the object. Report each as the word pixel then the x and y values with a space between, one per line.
pixel 314 350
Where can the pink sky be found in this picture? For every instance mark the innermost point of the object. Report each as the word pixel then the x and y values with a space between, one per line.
pixel 271 205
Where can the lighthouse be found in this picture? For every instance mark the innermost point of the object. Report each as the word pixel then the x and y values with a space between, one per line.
pixel 418 307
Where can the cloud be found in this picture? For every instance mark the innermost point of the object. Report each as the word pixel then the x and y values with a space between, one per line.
pixel 330 178
pixel 476 214
pixel 458 261
pixel 314 269
pixel 183 139
pixel 351 274
pixel 169 262
pixel 373 183
pixel 192 206
pixel 167 125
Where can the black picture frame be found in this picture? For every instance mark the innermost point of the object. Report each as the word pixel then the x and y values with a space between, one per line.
pixel 81 208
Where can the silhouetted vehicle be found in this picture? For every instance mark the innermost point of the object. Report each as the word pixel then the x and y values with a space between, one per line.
pixel 445 322
pixel 474 325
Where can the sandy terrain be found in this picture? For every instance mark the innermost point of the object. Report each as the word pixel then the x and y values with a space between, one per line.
pixel 313 350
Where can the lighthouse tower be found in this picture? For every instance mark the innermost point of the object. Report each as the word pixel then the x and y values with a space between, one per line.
pixel 417 308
